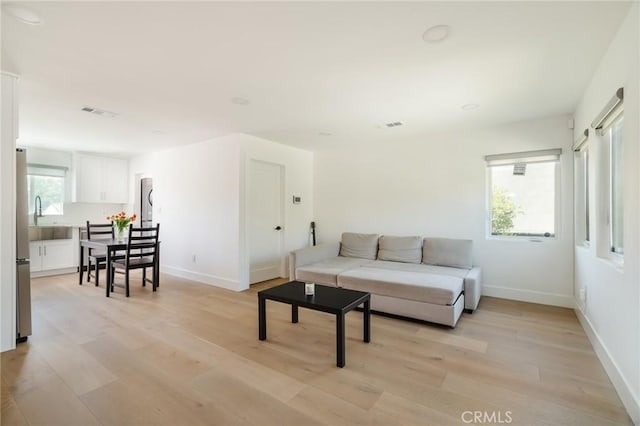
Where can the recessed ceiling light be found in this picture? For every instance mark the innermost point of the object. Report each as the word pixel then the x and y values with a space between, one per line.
pixel 158 132
pixel 436 34
pixel 470 107
pixel 22 14
pixel 240 101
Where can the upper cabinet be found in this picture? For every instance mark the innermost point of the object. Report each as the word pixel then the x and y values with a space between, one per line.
pixel 100 180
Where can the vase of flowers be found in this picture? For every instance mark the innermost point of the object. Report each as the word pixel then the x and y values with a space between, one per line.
pixel 121 222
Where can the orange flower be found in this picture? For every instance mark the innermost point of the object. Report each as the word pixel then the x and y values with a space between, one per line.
pixel 121 220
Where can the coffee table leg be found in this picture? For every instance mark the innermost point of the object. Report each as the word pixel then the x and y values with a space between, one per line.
pixel 262 319
pixel 340 340
pixel 294 313
pixel 367 322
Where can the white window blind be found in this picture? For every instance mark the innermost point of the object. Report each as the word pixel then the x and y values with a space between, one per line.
pixel 45 170
pixel 541 156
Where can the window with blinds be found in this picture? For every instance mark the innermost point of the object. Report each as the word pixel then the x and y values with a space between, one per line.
pixel 523 193
pixel 616 186
pixel 609 125
pixel 581 189
pixel 47 182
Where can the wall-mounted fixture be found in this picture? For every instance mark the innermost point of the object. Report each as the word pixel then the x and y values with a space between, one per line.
pixel 296 199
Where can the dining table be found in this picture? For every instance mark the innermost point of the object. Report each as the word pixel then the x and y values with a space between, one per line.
pixel 111 246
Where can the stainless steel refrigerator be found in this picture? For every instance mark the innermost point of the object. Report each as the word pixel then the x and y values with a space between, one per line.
pixel 146 202
pixel 23 273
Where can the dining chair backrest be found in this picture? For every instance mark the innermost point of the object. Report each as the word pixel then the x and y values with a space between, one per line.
pixel 142 243
pixel 102 231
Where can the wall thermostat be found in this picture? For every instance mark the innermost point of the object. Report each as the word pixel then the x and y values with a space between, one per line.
pixel 296 199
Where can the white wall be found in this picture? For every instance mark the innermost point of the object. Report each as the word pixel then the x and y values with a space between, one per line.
pixel 611 313
pixel 436 186
pixel 8 132
pixel 199 201
pixel 196 202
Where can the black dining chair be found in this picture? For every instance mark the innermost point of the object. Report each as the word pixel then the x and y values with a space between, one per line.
pixel 97 231
pixel 141 253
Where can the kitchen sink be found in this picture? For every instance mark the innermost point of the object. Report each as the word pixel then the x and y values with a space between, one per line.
pixel 50 232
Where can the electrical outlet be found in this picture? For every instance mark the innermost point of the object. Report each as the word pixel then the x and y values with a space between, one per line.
pixel 582 294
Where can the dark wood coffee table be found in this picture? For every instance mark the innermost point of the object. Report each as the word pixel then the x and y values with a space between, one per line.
pixel 333 300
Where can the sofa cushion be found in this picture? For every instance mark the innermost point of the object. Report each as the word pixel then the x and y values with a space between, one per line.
pixel 363 246
pixel 400 249
pixel 326 271
pixel 418 286
pixel 419 267
pixel 447 252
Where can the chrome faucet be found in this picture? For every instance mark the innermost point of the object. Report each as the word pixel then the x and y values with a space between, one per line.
pixel 37 210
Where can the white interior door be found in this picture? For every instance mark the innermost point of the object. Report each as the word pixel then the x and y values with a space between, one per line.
pixel 265 220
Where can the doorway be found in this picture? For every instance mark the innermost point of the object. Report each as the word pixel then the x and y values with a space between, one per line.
pixel 265 220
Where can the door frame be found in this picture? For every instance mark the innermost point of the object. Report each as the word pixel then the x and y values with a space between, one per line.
pixel 245 203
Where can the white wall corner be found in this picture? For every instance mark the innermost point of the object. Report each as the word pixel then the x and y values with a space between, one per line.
pixel 631 402
pixel 562 300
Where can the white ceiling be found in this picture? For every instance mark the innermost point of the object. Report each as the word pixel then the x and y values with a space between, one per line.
pixel 307 68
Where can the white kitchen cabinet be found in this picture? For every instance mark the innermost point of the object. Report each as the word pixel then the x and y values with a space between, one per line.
pixel 52 254
pixel 101 179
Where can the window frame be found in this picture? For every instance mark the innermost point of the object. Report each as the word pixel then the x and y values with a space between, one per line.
pixel 582 179
pixel 40 170
pixel 618 252
pixel 603 123
pixel 531 157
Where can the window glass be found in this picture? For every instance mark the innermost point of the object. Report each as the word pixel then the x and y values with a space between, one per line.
pixel 585 190
pixel 581 186
pixel 616 182
pixel 50 189
pixel 523 199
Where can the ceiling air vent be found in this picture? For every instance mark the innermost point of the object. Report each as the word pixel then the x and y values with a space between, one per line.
pixel 101 112
pixel 394 124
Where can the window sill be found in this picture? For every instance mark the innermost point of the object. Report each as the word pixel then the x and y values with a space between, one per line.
pixel 615 261
pixel 522 239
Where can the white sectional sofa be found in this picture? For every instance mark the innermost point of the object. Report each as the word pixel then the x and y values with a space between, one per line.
pixel 430 279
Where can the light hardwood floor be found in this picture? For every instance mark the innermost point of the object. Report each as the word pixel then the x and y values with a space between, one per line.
pixel 189 355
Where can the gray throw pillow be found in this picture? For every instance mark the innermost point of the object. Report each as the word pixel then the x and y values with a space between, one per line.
pixel 447 252
pixel 400 249
pixel 364 246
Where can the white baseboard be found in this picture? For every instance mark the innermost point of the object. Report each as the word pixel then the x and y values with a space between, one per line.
pixel 631 403
pixel 263 274
pixel 38 274
pixel 529 296
pixel 201 278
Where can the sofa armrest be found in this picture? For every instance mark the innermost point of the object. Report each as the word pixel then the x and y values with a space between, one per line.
pixel 307 255
pixel 472 288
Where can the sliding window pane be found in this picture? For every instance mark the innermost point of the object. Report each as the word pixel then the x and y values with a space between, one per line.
pixel 617 198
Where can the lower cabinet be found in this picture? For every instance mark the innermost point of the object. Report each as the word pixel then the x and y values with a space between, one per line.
pixel 52 254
